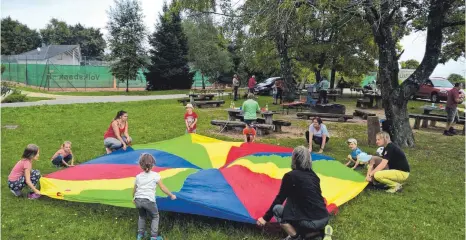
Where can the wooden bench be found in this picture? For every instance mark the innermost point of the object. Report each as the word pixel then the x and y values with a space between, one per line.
pixel 341 117
pixel 186 100
pixel 333 96
pixel 262 129
pixel 362 114
pixel 363 103
pixel 426 118
pixel 278 124
pixel 215 103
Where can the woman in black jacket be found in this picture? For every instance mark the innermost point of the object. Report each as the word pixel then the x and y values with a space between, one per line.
pixel 305 213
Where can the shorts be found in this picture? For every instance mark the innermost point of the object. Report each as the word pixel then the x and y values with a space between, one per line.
pixel 452 114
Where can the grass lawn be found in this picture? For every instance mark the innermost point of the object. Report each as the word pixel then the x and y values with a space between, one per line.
pixel 431 205
pixel 35 99
pixel 105 93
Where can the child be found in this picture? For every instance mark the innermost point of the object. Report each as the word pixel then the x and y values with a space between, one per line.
pixel 63 156
pixel 190 118
pixel 144 195
pixel 249 133
pixel 356 156
pixel 22 173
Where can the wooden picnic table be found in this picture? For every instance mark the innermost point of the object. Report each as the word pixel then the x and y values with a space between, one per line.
pixel 372 96
pixel 233 114
pixel 428 109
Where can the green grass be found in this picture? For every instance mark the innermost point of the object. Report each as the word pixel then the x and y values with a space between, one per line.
pixel 105 93
pixel 35 99
pixel 430 207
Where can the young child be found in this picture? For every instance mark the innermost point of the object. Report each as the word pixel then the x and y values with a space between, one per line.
pixel 22 173
pixel 249 133
pixel 190 118
pixel 356 156
pixel 144 196
pixel 63 156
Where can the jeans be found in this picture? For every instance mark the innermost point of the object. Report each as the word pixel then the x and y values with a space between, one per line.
pixel 323 96
pixel 58 160
pixel 302 227
pixel 21 182
pixel 235 91
pixel 115 144
pixel 148 209
pixel 317 140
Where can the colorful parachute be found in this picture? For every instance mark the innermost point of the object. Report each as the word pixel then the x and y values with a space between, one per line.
pixel 229 180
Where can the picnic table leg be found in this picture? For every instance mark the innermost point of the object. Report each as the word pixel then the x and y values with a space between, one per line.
pixel 417 122
pixel 268 119
pixel 432 123
pixel 278 128
pixel 425 123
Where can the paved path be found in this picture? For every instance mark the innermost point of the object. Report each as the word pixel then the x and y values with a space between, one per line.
pixel 62 99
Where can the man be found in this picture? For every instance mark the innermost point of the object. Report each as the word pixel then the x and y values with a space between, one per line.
pixel 454 97
pixel 252 83
pixel 250 108
pixel 235 86
pixel 323 87
pixel 280 88
pixel 392 168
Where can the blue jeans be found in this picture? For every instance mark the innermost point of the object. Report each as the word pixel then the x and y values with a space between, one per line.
pixel 58 160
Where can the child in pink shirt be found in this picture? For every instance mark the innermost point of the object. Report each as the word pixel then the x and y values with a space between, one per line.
pixel 63 157
pixel 22 173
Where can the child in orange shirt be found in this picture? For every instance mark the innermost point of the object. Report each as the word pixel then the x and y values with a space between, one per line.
pixel 249 133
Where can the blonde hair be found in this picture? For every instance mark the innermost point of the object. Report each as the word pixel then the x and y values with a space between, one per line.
pixel 65 142
pixel 146 161
pixel 385 136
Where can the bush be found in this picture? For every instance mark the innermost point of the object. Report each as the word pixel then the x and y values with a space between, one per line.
pixel 14 97
pixel 3 68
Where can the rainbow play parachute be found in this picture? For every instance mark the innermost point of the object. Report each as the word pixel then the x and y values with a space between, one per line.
pixel 229 180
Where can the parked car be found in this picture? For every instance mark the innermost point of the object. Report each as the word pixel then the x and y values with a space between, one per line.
pixel 265 87
pixel 435 89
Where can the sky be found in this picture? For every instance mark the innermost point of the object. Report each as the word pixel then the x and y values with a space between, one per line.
pixel 93 13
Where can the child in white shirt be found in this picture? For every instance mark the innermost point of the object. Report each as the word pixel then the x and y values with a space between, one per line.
pixel 144 196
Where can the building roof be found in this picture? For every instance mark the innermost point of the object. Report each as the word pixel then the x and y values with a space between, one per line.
pixel 47 52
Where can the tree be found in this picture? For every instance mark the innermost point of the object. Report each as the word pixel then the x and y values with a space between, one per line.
pixel 456 78
pixel 17 38
pixel 410 64
pixel 90 40
pixel 389 22
pixel 127 35
pixel 205 50
pixel 169 54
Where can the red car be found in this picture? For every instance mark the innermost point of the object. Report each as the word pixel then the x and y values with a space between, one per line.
pixel 435 89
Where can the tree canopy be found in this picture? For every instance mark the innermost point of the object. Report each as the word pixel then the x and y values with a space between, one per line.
pixel 17 37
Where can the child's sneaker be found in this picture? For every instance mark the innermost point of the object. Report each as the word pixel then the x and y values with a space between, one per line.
pixel 34 196
pixel 328 232
pixel 395 189
pixel 17 193
pixel 140 236
pixel 156 238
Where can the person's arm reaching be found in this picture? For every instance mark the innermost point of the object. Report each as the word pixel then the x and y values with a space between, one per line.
pixel 285 189
pixel 165 190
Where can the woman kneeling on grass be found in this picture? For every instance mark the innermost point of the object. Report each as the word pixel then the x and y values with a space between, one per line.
pixel 392 168
pixel 305 214
pixel 116 136
pixel 22 173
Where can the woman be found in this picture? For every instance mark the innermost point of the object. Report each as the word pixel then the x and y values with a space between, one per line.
pixel 305 213
pixel 117 136
pixel 318 133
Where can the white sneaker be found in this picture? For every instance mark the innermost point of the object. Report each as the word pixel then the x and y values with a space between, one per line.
pixel 328 232
pixel 17 193
pixel 395 189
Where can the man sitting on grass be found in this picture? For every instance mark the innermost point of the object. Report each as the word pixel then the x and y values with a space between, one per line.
pixel 392 168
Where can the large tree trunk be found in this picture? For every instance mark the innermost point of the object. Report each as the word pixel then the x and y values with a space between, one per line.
pixel 332 77
pixel 285 66
pixel 127 85
pixel 394 96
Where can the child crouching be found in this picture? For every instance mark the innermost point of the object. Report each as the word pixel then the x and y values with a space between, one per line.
pixel 22 173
